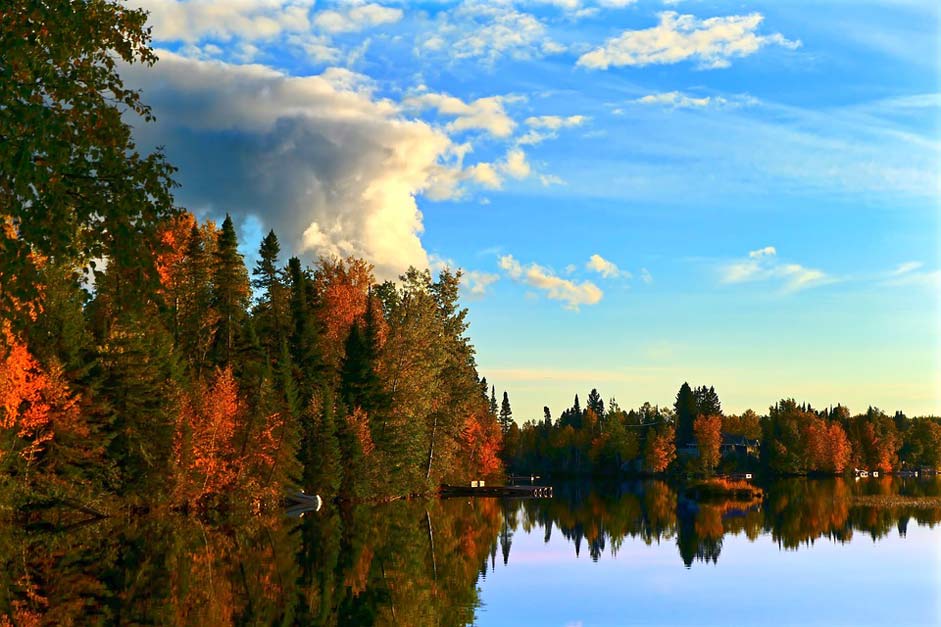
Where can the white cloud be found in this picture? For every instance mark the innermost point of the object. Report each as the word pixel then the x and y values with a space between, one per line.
pixel 356 18
pixel 487 114
pixel 645 276
pixel 763 265
pixel 679 100
pixel 485 174
pixel 175 20
pixel 476 283
pixel 550 179
pixel 767 251
pixel 331 168
pixel 555 122
pixel 556 288
pixel 515 164
pixel 476 29
pixel 607 269
pixel 545 127
pixel 711 42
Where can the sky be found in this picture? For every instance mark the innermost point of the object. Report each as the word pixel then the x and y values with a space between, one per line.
pixel 639 193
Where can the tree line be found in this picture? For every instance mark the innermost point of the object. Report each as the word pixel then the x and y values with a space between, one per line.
pixel 141 359
pixel 694 435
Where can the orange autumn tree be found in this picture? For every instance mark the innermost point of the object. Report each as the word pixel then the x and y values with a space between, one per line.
pixel 342 287
pixel 24 415
pixel 205 447
pixel 481 441
pixel 708 432
pixel 660 449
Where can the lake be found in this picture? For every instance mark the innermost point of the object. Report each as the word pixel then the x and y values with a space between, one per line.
pixel 811 552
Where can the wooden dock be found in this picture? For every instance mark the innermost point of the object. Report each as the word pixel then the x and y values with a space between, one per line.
pixel 500 491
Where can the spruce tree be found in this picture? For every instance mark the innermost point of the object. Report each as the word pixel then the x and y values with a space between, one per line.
pixel 506 414
pixel 270 311
pixel 595 403
pixel 303 339
pixel 687 409
pixel 493 401
pixel 229 291
pixel 197 318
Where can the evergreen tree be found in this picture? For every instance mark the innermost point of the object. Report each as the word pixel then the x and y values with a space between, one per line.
pixel 493 401
pixel 197 317
pixel 139 375
pixel 596 404
pixel 229 290
pixel 506 414
pixel 304 336
pixel 546 417
pixel 360 385
pixel 686 409
pixel 271 307
pixel 707 402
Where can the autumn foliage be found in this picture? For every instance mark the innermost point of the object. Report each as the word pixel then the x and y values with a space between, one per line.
pixel 708 432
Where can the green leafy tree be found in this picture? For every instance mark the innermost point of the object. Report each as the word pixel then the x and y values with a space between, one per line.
pixel 72 185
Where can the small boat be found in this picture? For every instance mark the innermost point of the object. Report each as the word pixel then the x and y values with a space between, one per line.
pixel 299 503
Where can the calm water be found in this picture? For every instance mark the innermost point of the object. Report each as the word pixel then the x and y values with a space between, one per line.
pixel 631 553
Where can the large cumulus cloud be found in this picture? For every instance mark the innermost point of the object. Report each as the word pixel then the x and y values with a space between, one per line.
pixel 333 169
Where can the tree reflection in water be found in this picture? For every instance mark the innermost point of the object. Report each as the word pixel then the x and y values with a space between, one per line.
pixel 408 562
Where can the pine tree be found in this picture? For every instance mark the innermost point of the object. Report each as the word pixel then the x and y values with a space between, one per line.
pixel 359 381
pixel 139 383
pixel 686 411
pixel 229 291
pixel 707 402
pixel 304 336
pixel 596 404
pixel 197 317
pixel 270 310
pixel 493 401
pixel 506 414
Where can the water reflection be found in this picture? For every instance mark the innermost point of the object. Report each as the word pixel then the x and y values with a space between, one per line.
pixel 407 563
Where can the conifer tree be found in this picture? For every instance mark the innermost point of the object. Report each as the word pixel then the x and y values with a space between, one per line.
pixel 686 411
pixel 506 414
pixel 197 317
pixel 270 311
pixel 595 403
pixel 229 290
pixel 493 401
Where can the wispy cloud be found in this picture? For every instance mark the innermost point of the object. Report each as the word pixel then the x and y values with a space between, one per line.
pixel 911 274
pixel 763 265
pixel 645 276
pixel 607 269
pixel 476 283
pixel 712 43
pixel 545 127
pixel 573 294
pixel 679 100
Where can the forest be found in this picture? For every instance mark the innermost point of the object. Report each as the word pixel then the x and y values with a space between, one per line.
pixel 142 363
pixel 694 436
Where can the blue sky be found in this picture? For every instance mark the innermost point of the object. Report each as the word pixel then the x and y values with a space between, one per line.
pixel 641 193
